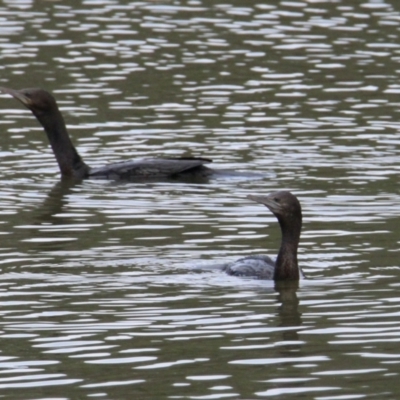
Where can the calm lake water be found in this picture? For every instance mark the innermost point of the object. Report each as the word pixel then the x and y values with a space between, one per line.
pixel 100 291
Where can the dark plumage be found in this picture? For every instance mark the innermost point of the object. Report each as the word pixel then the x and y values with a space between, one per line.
pixel 44 108
pixel 286 207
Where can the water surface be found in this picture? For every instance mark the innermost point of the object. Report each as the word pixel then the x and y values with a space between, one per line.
pixel 100 296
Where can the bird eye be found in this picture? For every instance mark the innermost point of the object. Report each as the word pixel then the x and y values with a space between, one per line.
pixel 277 199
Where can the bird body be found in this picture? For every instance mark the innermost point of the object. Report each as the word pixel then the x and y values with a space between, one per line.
pixel 152 167
pixel 44 107
pixel 258 266
pixel 286 207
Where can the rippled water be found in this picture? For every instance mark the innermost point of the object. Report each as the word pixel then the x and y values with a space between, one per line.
pixel 100 291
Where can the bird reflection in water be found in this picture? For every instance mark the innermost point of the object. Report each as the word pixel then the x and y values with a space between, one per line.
pixel 288 311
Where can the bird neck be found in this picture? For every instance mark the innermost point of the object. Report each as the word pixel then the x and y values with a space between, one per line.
pixel 286 266
pixel 70 162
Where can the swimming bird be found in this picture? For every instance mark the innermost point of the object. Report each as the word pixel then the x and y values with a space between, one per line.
pixel 287 209
pixel 44 107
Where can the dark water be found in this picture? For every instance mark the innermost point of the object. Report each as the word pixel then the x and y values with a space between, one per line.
pixel 99 294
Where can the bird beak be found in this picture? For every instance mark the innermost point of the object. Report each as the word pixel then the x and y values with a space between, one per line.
pixel 258 199
pixel 26 101
pixel 265 200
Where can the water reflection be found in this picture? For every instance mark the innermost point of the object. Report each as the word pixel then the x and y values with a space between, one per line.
pixel 56 199
pixel 289 310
